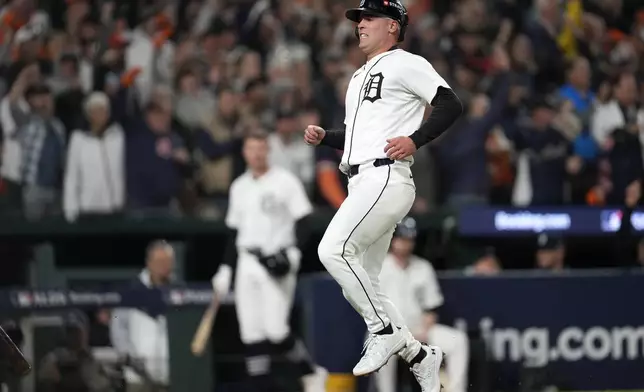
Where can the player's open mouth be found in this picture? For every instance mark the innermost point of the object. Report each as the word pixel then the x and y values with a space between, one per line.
pixel 363 35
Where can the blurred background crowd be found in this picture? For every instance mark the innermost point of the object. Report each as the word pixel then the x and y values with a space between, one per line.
pixel 114 106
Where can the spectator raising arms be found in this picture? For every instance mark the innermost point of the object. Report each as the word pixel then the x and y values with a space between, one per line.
pixel 43 143
pixel 153 155
pixel 151 100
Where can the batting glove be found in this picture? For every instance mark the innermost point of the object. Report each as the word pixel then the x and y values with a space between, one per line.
pixel 221 280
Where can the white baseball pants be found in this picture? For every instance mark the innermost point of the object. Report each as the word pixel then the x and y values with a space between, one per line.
pixel 356 241
pixel 263 303
pixel 454 344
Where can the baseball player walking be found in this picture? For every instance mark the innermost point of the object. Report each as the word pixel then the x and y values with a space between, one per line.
pixel 411 284
pixel 266 206
pixel 385 104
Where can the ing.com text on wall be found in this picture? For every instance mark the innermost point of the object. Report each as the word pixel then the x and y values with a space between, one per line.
pixel 538 346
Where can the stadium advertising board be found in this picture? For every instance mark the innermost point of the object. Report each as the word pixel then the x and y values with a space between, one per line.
pixel 487 221
pixel 584 329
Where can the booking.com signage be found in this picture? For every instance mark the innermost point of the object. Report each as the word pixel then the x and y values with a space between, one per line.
pixel 587 330
pixel 485 221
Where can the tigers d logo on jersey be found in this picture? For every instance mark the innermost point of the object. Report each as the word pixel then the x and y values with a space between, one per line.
pixel 373 87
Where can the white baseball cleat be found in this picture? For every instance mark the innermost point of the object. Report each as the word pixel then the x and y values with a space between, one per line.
pixel 427 370
pixel 377 351
pixel 315 382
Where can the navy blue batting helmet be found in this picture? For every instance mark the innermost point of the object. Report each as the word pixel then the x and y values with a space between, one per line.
pixel 406 228
pixel 382 8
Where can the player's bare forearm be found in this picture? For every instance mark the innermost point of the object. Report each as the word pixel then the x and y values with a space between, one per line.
pixel 334 139
pixel 446 109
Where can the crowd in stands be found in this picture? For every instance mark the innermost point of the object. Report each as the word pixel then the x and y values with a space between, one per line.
pixel 113 106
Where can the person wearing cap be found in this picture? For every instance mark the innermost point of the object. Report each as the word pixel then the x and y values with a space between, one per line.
pixel 155 156
pixel 384 112
pixel 95 173
pixel 550 253
pixel 43 143
pixel 411 284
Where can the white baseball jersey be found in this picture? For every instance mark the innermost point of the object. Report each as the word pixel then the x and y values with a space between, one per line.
pixel 413 289
pixel 386 98
pixel 264 210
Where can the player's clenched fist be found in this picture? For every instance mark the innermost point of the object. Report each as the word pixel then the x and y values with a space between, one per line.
pixel 313 135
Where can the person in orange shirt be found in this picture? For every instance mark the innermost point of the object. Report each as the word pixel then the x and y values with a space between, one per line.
pixel 331 186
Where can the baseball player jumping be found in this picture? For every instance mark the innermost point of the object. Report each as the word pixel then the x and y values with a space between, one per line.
pixel 267 206
pixel 385 104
